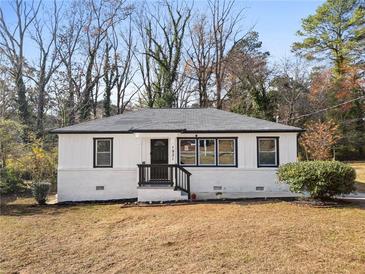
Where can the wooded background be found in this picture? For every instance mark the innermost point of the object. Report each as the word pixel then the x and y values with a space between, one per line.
pixel 72 61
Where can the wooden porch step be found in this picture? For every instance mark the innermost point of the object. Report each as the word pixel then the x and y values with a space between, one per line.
pixel 156 186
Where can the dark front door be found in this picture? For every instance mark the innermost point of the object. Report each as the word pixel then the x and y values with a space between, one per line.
pixel 159 156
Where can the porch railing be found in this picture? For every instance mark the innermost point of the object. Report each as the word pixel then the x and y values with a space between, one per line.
pixel 174 175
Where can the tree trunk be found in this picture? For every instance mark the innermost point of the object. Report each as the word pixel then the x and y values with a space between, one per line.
pixel 107 102
pixel 40 110
pixel 22 99
pixel 86 101
pixel 70 105
pixel 219 92
pixel 41 102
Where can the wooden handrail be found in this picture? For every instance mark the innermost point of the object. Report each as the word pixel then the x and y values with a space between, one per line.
pixel 184 169
pixel 165 165
pixel 173 174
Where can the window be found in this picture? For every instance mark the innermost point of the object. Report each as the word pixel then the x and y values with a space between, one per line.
pixel 187 152
pixel 226 152
pixel 103 152
pixel 207 155
pixel 267 153
pixel 208 152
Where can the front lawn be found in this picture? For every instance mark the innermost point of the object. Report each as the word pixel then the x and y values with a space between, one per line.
pixel 246 237
pixel 360 175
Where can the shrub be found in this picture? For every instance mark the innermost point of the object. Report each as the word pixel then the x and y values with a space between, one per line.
pixel 10 182
pixel 36 163
pixel 322 179
pixel 40 191
pixel 41 164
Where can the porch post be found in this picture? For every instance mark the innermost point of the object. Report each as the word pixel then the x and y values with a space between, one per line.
pixel 173 148
pixel 140 152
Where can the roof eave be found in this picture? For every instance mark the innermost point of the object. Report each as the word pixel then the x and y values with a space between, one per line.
pixel 245 131
pixel 176 131
pixel 87 132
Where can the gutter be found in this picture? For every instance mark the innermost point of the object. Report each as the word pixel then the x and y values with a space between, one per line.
pixel 176 131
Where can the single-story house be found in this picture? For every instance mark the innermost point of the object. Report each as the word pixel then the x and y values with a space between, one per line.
pixel 173 154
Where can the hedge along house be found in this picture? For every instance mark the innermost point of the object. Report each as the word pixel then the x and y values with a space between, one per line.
pixel 173 154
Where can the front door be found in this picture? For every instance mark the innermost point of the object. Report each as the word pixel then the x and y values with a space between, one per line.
pixel 159 156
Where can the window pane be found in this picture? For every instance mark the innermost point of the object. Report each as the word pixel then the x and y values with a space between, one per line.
pixel 267 158
pixel 207 151
pixel 226 152
pixel 187 152
pixel 226 158
pixel 187 159
pixel 103 159
pixel 103 145
pixel 103 153
pixel 267 152
pixel 187 146
pixel 267 145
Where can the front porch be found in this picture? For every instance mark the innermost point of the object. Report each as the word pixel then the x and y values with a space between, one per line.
pixel 160 178
pixel 163 182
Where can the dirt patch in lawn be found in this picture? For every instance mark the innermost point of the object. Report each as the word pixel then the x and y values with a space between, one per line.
pixel 271 236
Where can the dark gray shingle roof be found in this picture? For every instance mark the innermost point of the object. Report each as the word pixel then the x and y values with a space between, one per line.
pixel 177 120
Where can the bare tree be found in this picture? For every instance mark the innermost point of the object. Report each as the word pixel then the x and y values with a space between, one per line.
pixel 224 24
pixel 118 72
pixel 83 56
pixel 164 39
pixel 124 73
pixel 100 18
pixel 44 34
pixel 184 90
pixel 68 51
pixel 291 88
pixel 146 63
pixel 201 57
pixel 12 45
pixel 109 80
pixel 58 97
pixel 99 73
pixel 248 78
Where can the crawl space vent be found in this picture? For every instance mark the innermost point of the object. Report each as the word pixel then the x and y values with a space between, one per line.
pixel 99 187
pixel 260 188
